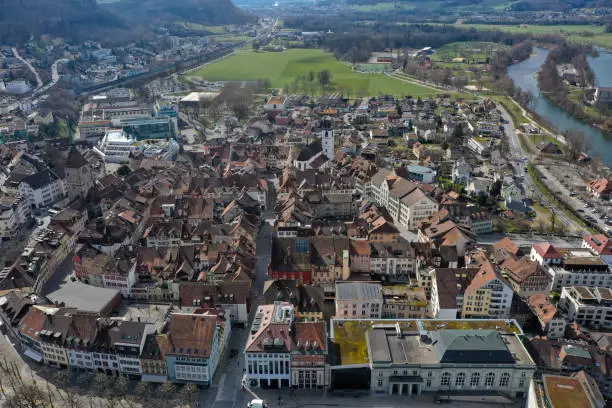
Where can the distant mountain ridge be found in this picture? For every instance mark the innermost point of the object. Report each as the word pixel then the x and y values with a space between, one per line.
pixel 79 20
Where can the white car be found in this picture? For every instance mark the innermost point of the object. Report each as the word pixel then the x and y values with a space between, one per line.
pixel 256 403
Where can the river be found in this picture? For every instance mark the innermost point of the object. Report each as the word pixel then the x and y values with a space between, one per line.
pixel 524 76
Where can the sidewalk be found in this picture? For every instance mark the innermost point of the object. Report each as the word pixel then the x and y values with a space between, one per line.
pixel 321 398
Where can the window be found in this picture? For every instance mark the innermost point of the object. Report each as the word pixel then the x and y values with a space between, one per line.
pixel 380 383
pixel 445 380
pixel 489 379
pixel 475 380
pixel 523 379
pixel 504 380
pixel 460 380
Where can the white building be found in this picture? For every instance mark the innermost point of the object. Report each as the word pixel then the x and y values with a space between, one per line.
pixel 394 262
pixel 359 300
pixel 405 201
pixel 310 156
pixel 588 306
pixel 480 145
pixel 14 212
pixel 545 253
pixel 283 353
pixel 268 350
pixel 580 267
pixel 128 340
pixel 472 364
pixel 116 146
pixel 43 188
pixel 461 172
pixel 327 141
pixel 421 174
pixel 552 323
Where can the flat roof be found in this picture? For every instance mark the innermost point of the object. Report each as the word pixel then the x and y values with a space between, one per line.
pixel 358 291
pixel 84 297
pixel 117 136
pixel 565 392
pixel 196 96
pixel 351 339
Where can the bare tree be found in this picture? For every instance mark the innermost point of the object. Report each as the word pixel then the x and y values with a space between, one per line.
pixel 575 143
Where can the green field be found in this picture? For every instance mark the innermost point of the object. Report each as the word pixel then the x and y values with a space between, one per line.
pixel 472 51
pixel 585 34
pixel 282 68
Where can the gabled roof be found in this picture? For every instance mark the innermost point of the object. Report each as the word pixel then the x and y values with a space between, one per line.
pixel 600 243
pixel 309 151
pixel 190 334
pixel 522 269
pixel 547 251
pixel 507 245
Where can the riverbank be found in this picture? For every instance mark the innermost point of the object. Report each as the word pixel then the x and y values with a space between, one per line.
pixel 545 112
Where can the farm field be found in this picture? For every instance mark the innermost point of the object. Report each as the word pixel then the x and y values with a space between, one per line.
pixel 586 34
pixel 282 69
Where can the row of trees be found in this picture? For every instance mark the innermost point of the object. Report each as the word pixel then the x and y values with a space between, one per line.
pixel 86 389
pixel 307 84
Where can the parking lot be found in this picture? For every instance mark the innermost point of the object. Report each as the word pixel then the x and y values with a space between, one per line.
pixel 569 185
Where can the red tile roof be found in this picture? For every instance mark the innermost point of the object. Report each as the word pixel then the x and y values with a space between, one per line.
pixel 361 247
pixel 600 186
pixel 508 245
pixel 547 251
pixel 541 306
pixel 190 334
pixel 33 322
pixel 600 243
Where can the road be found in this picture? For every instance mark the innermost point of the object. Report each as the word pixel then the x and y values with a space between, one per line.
pixel 54 76
pixel 526 240
pixel 226 391
pixel 39 82
pixel 518 158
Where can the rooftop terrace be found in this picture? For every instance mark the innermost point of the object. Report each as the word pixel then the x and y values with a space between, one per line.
pixel 565 392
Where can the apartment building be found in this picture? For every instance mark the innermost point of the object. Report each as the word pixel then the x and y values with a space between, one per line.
pixel 579 267
pixel 404 302
pixel 359 300
pixel 393 262
pixel 588 306
pixel 527 277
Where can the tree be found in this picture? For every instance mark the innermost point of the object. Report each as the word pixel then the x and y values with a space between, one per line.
pixel 124 170
pixel 575 143
pixel 553 220
pixel 324 77
pixel 481 199
pixel 398 108
pixel 540 226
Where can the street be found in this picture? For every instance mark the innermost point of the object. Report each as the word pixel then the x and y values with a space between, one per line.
pixel 226 391
pixel 518 165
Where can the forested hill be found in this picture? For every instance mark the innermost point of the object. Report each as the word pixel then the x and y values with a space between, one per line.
pixel 212 12
pixel 78 20
pixel 521 5
pixel 72 19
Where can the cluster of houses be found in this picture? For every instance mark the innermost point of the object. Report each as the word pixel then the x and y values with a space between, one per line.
pixel 376 281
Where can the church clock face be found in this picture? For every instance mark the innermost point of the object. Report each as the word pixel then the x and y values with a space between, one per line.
pixel 84 170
